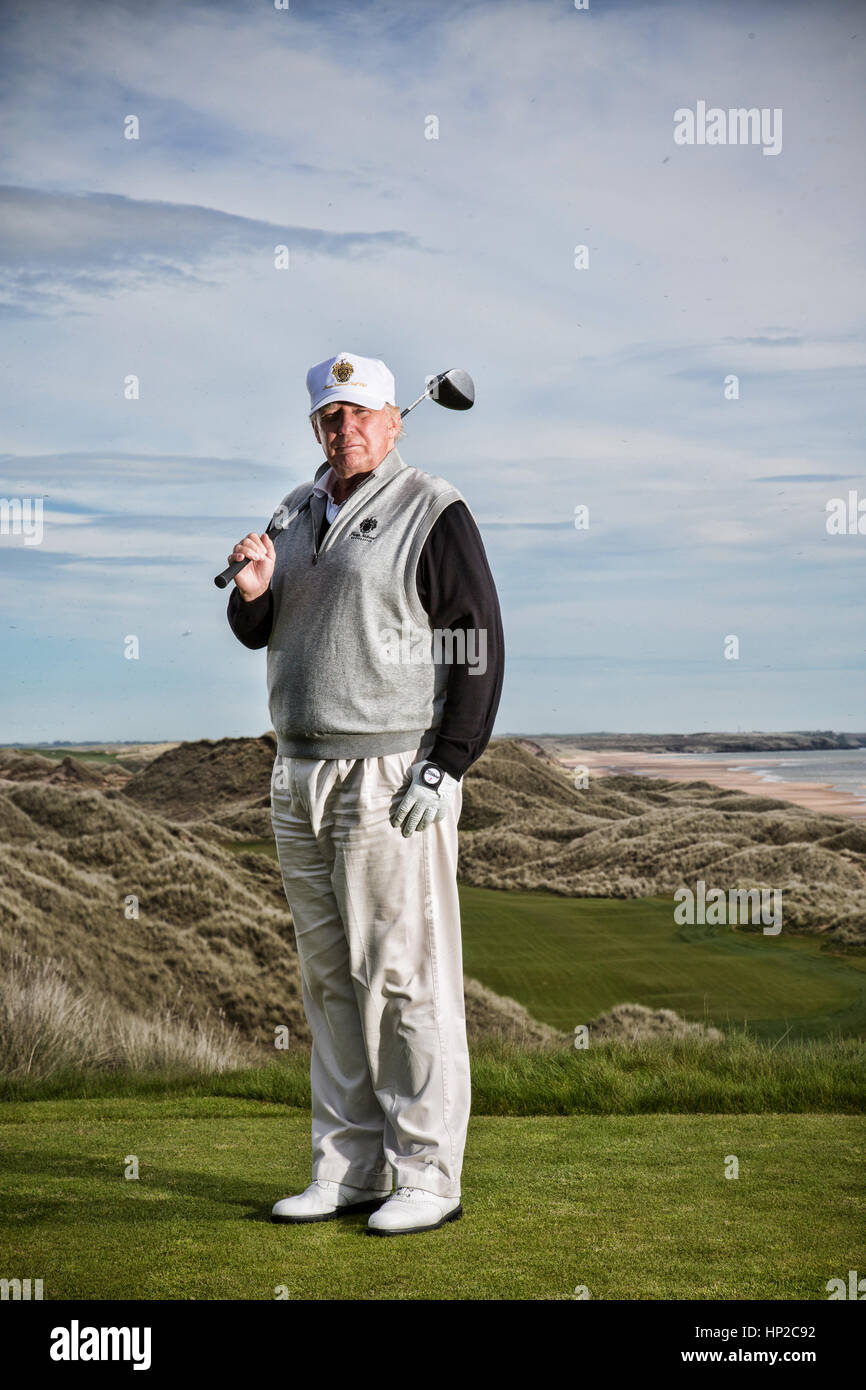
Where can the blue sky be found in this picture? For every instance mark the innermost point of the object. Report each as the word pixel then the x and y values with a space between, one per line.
pixel 601 386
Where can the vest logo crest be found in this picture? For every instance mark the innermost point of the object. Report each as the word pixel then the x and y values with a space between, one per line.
pixel 365 530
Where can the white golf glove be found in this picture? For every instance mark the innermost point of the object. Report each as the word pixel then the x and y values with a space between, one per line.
pixel 426 799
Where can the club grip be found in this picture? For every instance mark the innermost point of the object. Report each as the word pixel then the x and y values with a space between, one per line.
pixel 223 580
pixel 275 526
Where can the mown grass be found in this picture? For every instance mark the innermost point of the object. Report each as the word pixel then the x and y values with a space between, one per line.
pixel 85 756
pixel 631 1207
pixel 741 1075
pixel 567 960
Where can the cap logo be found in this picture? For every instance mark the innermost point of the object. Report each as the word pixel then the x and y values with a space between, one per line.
pixel 342 370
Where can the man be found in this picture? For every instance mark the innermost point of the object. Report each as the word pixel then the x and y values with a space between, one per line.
pixel 376 725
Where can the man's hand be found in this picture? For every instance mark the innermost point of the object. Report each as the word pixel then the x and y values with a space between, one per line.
pixel 427 798
pixel 254 578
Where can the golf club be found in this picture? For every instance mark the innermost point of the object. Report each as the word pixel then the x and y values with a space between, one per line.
pixel 454 389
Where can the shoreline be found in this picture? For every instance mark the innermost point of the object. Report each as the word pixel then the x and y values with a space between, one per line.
pixel 821 797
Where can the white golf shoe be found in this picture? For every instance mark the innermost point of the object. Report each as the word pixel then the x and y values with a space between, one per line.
pixel 411 1210
pixel 323 1200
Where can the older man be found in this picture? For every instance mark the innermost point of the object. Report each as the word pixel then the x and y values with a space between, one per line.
pixel 363 601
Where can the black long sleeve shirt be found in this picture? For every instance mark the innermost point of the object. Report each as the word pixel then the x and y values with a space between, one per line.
pixel 457 592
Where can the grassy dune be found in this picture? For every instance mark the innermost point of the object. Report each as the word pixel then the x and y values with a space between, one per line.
pixel 145 914
pixel 525 826
pixel 566 893
pixel 210 931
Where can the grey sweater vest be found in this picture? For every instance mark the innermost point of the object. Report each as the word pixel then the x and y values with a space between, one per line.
pixel 352 670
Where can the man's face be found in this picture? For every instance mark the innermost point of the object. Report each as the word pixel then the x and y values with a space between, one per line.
pixel 354 438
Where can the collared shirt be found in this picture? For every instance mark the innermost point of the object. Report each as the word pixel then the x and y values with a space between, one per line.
pixel 325 488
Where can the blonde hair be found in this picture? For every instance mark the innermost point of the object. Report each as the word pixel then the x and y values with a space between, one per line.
pixel 395 412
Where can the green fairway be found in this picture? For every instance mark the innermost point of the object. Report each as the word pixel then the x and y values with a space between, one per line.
pixel 85 755
pixel 631 1207
pixel 567 960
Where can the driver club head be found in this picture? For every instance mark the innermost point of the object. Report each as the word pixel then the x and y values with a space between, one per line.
pixel 454 389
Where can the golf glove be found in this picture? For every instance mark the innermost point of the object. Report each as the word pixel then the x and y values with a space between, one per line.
pixel 426 799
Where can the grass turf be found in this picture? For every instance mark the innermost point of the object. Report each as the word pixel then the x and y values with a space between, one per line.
pixel 739 1075
pixel 631 1207
pixel 567 960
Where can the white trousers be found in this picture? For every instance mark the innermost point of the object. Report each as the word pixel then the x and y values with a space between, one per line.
pixel 377 924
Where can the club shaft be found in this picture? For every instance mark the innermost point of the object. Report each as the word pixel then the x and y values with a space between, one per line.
pixel 422 397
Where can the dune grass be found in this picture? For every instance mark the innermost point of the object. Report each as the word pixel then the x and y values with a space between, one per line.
pixel 50 1027
pixel 631 1207
pixel 685 1076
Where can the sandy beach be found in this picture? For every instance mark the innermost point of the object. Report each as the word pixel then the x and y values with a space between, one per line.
pixel 815 796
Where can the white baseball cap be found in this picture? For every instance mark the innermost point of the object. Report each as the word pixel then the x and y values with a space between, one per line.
pixel 348 377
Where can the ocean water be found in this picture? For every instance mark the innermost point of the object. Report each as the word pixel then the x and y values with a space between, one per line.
pixel 841 768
